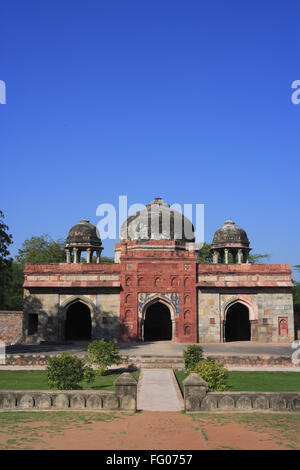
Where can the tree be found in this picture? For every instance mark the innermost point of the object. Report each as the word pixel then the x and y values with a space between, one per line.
pixel 13 293
pixel 258 258
pixel 103 259
pixel 296 293
pixel 41 250
pixel 205 255
pixel 5 240
pixel 5 262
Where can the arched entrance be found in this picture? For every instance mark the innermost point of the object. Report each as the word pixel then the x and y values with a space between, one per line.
pixel 237 326
pixel 157 324
pixel 78 324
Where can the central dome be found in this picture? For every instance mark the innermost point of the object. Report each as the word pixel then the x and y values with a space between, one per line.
pixel 157 222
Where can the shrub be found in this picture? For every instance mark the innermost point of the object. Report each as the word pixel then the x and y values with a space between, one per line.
pixel 65 372
pixel 214 373
pixel 102 354
pixel 192 355
pixel 89 374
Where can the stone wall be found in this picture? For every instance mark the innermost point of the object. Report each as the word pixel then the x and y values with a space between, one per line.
pixel 124 398
pixel 196 399
pixel 273 308
pixel 51 307
pixel 11 330
pixel 270 309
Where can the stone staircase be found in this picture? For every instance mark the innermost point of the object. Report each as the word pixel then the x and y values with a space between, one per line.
pixel 156 362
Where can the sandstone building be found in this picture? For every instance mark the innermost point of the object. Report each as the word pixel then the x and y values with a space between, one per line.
pixel 156 290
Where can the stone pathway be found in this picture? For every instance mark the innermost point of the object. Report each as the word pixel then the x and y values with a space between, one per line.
pixel 158 391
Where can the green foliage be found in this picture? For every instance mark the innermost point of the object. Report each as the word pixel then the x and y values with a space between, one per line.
pixel 192 355
pixel 107 259
pixel 41 250
pixel 65 372
pixel 205 255
pixel 102 354
pixel 5 262
pixel 5 240
pixel 103 259
pixel 89 374
pixel 215 374
pixel 258 258
pixel 12 296
pixel 296 298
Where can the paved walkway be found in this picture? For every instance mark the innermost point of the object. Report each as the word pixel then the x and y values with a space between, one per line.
pixel 158 391
pixel 163 348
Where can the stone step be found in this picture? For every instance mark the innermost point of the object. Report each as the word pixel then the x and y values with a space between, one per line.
pixel 161 362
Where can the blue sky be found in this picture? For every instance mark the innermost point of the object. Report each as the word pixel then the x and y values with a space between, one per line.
pixel 186 100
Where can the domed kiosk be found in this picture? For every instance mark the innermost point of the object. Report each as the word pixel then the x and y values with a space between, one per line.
pixel 83 237
pixel 230 238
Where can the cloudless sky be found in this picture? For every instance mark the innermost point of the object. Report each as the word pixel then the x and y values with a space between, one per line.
pixel 185 100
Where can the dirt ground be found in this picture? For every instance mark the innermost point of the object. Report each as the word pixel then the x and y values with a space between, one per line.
pixel 148 431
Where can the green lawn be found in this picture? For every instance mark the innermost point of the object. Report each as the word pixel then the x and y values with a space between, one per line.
pixel 257 381
pixel 37 380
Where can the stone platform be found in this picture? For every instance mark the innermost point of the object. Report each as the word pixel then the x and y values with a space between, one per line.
pixel 161 354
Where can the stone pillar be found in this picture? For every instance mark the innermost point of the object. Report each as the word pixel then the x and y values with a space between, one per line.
pixel 89 254
pixel 75 252
pixel 98 256
pixel 126 391
pixel 215 256
pixel 240 255
pixel 68 255
pixel 194 392
pixel 226 252
pixel 246 252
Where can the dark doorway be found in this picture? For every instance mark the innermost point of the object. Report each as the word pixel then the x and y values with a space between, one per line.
pixel 78 322
pixel 237 327
pixel 158 324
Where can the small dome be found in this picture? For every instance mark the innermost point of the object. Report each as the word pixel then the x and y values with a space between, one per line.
pixel 157 222
pixel 83 235
pixel 230 234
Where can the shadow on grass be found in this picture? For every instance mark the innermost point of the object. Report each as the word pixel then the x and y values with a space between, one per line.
pixel 120 370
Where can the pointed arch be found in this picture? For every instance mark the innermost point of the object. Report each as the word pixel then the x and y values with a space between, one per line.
pixel 159 311
pixel 253 313
pixel 86 314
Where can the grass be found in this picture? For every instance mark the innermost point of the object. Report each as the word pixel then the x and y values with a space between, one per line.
pixel 37 380
pixel 25 430
pixel 279 426
pixel 256 381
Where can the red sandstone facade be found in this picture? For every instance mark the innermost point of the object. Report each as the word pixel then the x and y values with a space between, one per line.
pixel 167 276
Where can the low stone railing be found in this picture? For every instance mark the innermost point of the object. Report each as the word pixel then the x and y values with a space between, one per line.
pixel 196 398
pixel 42 359
pixel 123 398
